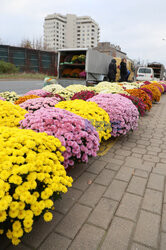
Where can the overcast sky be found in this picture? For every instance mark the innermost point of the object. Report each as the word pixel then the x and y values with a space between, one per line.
pixel 137 26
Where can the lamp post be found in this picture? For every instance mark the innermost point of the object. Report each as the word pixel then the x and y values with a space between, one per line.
pixel 164 39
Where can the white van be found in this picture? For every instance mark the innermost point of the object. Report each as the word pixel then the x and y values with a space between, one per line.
pixel 145 74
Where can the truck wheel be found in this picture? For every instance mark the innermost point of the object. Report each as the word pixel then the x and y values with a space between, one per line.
pixel 105 79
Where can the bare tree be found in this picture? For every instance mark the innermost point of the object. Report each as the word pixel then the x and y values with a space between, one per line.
pixel 39 43
pixel 26 43
pixel 45 46
pixel 36 43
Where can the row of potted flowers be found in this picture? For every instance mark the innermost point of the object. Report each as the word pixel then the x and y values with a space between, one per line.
pixel 42 134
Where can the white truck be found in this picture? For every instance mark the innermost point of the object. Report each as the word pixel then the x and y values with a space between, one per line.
pixel 159 70
pixel 82 66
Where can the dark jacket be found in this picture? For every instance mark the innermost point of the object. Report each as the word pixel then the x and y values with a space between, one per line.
pixel 112 70
pixel 123 69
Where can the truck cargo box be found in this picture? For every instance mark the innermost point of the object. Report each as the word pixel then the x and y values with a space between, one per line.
pixel 82 66
pixel 158 69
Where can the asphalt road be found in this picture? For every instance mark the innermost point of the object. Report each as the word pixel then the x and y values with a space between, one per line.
pixel 20 86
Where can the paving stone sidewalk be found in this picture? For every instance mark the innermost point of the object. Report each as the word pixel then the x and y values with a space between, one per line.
pixel 117 202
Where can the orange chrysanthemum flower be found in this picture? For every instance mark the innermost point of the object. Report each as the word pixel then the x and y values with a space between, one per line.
pixel 75 72
pixel 143 95
pixel 155 92
pixel 159 86
pixel 66 72
pixel 24 98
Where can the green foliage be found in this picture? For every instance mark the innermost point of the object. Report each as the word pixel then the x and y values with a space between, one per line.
pixel 81 58
pixel 7 68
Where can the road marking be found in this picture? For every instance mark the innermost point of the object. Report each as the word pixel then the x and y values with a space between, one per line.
pixel 105 146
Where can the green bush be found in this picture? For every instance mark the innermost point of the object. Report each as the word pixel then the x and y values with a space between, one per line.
pixel 7 68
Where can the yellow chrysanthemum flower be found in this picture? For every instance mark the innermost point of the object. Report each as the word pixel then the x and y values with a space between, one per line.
pixel 14 205
pixel 32 178
pixel 92 112
pixel 28 229
pixel 10 114
pixel 48 216
pixel 3 216
pixel 15 241
pixel 18 233
pixel 27 222
pixel 16 225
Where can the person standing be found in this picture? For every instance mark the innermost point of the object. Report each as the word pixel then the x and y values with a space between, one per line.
pixel 127 76
pixel 123 70
pixel 112 71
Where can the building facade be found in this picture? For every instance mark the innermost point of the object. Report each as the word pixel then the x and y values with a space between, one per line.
pixel 111 49
pixel 70 31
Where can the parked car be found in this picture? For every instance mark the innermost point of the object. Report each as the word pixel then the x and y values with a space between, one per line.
pixel 145 74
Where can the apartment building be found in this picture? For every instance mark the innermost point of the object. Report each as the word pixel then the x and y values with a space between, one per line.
pixel 70 31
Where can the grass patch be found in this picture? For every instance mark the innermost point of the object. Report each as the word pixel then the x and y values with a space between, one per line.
pixel 36 76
